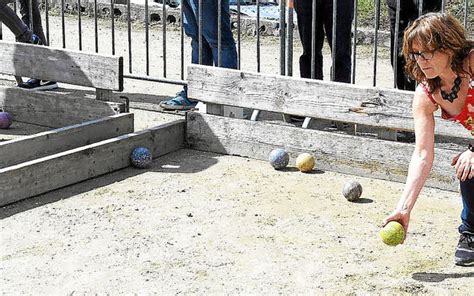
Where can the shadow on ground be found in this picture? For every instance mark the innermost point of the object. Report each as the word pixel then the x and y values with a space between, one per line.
pixel 181 161
pixel 432 277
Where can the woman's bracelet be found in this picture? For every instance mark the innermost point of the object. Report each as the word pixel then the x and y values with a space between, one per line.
pixel 471 148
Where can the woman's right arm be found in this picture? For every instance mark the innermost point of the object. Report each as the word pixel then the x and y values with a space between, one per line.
pixel 421 160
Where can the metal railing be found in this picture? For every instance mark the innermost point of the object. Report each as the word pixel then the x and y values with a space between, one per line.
pixel 123 10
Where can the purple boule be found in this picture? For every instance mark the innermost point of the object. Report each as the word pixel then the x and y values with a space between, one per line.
pixel 5 120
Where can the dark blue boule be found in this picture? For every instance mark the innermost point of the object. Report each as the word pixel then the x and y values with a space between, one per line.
pixel 141 157
pixel 279 158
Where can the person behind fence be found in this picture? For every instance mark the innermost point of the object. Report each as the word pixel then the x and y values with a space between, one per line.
pixel 21 29
pixel 408 13
pixel 441 59
pixel 324 22
pixel 32 83
pixel 209 52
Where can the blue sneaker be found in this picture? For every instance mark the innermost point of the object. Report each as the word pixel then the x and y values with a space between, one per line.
pixel 38 84
pixel 36 40
pixel 180 102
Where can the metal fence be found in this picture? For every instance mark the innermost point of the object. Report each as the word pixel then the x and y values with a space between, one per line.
pixel 129 12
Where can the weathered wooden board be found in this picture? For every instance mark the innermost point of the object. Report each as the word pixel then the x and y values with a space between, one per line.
pixel 309 98
pixel 62 139
pixel 55 171
pixel 53 109
pixel 334 152
pixel 61 65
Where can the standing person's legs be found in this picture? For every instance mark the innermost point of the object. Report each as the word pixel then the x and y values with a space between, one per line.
pixel 191 28
pixel 345 14
pixel 304 15
pixel 210 32
pixel 191 23
pixel 429 6
pixel 14 23
pixel 408 12
pixel 25 16
pixel 465 250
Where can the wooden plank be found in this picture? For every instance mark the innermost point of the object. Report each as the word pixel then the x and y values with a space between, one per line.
pixel 309 98
pixel 334 152
pixel 61 65
pixel 55 171
pixel 62 139
pixel 54 109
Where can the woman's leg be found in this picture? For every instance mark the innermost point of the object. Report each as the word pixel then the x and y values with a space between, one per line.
pixel 464 255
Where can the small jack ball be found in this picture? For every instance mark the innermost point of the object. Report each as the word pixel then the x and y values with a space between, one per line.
pixel 352 190
pixel 141 157
pixel 279 158
pixel 305 162
pixel 5 120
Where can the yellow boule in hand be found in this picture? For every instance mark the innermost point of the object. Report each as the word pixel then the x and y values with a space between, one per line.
pixel 393 233
pixel 305 162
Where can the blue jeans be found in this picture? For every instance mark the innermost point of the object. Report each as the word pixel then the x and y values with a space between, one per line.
pixel 209 33
pixel 467 214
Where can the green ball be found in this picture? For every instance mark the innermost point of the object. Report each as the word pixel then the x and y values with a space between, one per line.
pixel 392 234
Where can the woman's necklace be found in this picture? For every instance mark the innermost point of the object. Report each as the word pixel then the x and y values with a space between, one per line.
pixel 453 95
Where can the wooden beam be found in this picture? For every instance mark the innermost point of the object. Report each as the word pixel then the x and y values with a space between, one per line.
pixel 55 171
pixel 54 109
pixel 62 139
pixel 61 65
pixel 347 154
pixel 344 102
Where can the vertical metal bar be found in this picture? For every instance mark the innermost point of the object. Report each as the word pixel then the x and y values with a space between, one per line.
pixel 282 37
pixel 112 23
pixel 30 15
pixel 334 39
pixel 14 6
pixel 165 20
pixel 96 29
pixel 1 32
pixel 200 32
pixel 354 44
pixel 313 41
pixel 147 41
pixel 129 28
pixel 258 35
pixel 47 20
pixel 289 44
pixel 219 33
pixel 395 44
pixel 466 13
pixel 63 26
pixel 376 40
pixel 182 40
pixel 443 6
pixel 79 23
pixel 239 48
pixel 420 7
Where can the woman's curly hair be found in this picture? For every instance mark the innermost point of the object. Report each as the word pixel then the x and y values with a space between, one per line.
pixel 436 31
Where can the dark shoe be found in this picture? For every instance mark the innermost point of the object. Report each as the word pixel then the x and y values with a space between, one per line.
pixel 180 102
pixel 37 84
pixel 464 255
pixel 36 40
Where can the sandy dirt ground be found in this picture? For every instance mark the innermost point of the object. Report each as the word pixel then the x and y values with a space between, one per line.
pixel 203 223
